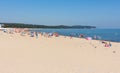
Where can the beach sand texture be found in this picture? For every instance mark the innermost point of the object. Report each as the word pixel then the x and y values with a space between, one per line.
pixel 24 54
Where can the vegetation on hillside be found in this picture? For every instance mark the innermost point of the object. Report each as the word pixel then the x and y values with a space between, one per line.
pixel 22 25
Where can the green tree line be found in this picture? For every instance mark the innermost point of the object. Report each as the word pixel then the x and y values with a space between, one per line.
pixel 21 25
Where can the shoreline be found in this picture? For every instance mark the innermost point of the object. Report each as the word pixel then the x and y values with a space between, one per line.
pixel 34 30
pixel 31 30
pixel 99 37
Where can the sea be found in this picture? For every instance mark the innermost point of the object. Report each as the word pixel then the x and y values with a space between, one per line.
pixel 103 34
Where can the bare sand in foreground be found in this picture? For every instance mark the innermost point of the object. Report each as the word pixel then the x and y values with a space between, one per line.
pixel 26 54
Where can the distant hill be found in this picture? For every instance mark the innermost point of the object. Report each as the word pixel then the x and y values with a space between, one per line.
pixel 22 25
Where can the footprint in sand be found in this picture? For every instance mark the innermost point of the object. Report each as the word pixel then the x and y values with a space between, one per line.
pixel 114 51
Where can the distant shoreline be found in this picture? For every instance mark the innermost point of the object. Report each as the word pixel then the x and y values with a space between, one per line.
pixel 22 25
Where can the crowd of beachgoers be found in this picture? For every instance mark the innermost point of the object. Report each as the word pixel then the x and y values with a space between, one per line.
pixel 24 31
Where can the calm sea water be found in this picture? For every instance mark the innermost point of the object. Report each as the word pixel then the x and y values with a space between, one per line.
pixel 105 34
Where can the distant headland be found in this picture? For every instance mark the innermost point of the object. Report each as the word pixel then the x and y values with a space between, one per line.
pixel 22 25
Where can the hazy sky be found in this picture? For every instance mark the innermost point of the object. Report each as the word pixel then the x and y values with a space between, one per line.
pixel 100 13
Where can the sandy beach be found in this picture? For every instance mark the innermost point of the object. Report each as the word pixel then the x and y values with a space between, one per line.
pixel 25 54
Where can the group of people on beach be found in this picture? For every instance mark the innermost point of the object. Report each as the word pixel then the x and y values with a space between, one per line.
pixel 24 31
pixel 106 44
pixel 47 35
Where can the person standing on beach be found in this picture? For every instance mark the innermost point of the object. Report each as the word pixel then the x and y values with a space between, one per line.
pixel 36 35
pixel 110 44
pixel 31 34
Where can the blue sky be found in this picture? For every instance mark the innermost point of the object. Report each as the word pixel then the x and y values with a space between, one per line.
pixel 100 13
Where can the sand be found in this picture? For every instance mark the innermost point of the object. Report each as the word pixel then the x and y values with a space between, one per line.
pixel 24 54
